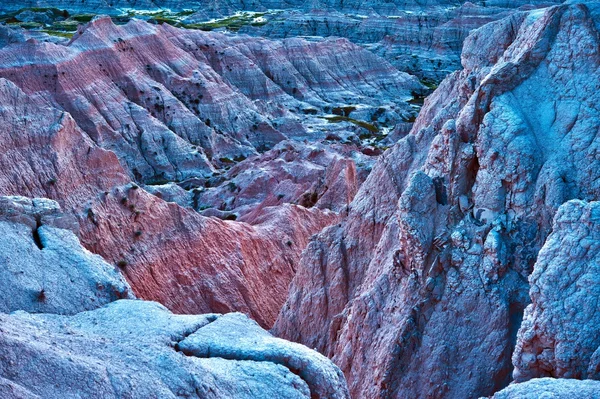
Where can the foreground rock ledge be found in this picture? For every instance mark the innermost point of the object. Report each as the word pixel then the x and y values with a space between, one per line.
pixel 138 349
pixel 551 388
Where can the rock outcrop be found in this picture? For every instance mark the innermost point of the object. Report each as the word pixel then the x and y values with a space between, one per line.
pixel 559 336
pixel 442 236
pixel 44 269
pixel 551 388
pixel 138 349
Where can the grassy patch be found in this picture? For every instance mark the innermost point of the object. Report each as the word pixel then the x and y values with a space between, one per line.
pixel 66 35
pixel 61 22
pixel 366 125
pixel 232 23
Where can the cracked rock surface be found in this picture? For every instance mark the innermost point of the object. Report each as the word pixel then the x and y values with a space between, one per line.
pixel 44 267
pixel 129 349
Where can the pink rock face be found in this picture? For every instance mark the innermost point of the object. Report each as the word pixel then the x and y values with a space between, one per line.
pixel 420 292
pixel 194 264
pixel 171 254
pixel 320 175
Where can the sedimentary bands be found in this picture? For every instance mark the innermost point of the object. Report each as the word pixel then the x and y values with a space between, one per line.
pixel 403 194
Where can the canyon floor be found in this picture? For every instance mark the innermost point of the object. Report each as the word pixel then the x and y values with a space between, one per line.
pixel 300 199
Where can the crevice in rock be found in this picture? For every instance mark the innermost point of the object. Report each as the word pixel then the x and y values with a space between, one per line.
pixel 36 235
pixel 209 318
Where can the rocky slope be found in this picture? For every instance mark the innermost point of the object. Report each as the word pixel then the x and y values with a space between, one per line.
pixel 47 155
pixel 65 339
pixel 441 238
pixel 178 108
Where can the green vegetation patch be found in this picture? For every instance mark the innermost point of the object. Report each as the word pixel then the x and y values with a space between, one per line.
pixel 66 35
pixel 232 23
pixel 61 23
pixel 366 125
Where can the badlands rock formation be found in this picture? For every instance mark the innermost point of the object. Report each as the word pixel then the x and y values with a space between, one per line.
pixel 192 168
pixel 180 106
pixel 176 104
pixel 423 38
pixel 243 267
pixel 74 347
pixel 441 238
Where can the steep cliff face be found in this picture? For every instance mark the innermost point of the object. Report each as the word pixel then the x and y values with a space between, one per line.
pixel 559 334
pixel 442 236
